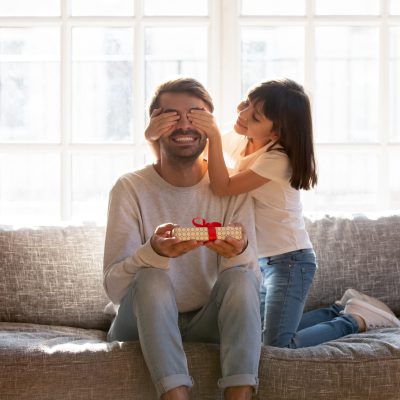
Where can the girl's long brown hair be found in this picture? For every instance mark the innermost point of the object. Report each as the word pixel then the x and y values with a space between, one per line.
pixel 286 104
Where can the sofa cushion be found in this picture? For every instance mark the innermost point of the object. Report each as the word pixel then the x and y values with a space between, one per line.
pixel 53 275
pixel 40 362
pixel 358 367
pixel 51 363
pixel 358 252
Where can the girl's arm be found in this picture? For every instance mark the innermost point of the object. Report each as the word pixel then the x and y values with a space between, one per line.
pixel 221 183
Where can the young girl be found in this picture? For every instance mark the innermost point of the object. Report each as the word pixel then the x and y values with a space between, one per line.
pixel 274 158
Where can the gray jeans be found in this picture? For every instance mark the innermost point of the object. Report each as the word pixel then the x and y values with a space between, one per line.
pixel 149 313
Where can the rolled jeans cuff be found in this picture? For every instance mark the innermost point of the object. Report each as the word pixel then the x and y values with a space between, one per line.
pixel 239 380
pixel 172 382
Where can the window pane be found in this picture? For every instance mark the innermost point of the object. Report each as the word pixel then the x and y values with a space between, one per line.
pixel 346 87
pixel 93 176
pixel 347 181
pixel 102 7
pixel 394 181
pixel 347 7
pixel 271 52
pixel 174 51
pixel 273 7
pixel 394 84
pixel 29 185
pixel 29 8
pixel 102 84
pixel 394 7
pixel 175 7
pixel 29 85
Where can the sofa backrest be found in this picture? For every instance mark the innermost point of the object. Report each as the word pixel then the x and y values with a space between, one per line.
pixel 356 252
pixel 53 276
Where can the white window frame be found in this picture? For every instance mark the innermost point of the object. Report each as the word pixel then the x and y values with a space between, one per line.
pixel 224 81
pixel 231 23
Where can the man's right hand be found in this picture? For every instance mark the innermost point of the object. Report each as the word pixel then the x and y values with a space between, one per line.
pixel 164 244
pixel 160 124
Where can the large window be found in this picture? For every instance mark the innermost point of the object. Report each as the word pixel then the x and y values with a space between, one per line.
pixel 76 76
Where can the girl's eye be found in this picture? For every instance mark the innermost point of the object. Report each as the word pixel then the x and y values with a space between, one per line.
pixel 255 118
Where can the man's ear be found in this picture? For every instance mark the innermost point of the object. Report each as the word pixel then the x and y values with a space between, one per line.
pixel 205 152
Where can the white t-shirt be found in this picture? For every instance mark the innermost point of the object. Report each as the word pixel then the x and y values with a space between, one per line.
pixel 279 219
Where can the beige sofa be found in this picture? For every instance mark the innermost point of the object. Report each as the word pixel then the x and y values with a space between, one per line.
pixel 53 328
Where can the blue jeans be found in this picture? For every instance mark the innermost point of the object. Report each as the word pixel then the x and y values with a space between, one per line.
pixel 322 325
pixel 149 313
pixel 287 279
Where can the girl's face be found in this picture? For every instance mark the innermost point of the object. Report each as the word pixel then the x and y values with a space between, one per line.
pixel 253 123
pixel 240 124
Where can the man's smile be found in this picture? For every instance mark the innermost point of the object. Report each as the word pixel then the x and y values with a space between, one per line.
pixel 185 138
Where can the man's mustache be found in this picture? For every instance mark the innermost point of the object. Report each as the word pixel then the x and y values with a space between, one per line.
pixel 189 132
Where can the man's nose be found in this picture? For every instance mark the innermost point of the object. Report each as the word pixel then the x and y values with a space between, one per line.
pixel 183 122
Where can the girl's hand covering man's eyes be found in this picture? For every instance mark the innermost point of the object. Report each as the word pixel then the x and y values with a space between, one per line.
pixel 160 124
pixel 205 122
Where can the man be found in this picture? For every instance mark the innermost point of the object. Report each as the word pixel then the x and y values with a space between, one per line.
pixel 155 278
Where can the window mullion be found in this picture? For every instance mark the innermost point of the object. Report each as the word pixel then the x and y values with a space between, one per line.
pixel 139 76
pixel 230 71
pixel 309 49
pixel 65 117
pixel 214 55
pixel 383 124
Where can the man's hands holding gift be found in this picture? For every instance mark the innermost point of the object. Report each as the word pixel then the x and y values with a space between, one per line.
pixel 230 247
pixel 166 244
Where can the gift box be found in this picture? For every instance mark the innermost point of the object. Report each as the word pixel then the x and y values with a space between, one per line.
pixel 206 231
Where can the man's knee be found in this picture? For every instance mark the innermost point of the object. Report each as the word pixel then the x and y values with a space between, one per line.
pixel 239 277
pixel 239 283
pixel 153 286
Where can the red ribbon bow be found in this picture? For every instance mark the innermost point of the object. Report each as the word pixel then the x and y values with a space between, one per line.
pixel 212 234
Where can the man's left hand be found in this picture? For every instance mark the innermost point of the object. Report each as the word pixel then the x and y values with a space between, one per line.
pixel 230 247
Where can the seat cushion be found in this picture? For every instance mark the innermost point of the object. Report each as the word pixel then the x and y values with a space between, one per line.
pixel 357 367
pixel 51 363
pixel 39 362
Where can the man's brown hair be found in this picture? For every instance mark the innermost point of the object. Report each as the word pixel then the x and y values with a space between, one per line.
pixel 181 85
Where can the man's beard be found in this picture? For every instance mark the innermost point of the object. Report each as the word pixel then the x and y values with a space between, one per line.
pixel 178 155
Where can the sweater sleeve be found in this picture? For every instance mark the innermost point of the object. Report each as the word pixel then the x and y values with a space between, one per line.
pixel 126 249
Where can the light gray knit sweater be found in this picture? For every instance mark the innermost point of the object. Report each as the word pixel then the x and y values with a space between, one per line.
pixel 142 200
